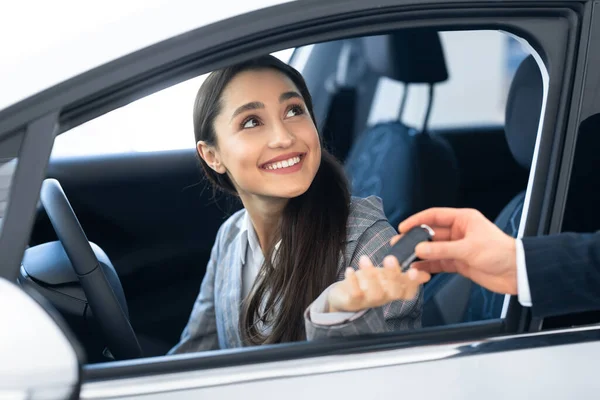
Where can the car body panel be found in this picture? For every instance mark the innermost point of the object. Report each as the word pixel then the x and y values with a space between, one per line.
pixel 56 372
pixel 469 370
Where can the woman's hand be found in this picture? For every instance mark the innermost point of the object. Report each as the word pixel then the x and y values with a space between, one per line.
pixel 371 287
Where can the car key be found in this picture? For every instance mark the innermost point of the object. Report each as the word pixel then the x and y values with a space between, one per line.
pixel 404 249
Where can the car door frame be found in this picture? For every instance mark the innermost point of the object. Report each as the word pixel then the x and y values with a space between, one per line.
pixel 292 25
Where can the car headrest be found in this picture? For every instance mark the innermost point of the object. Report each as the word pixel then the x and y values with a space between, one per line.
pixel 523 109
pixel 408 56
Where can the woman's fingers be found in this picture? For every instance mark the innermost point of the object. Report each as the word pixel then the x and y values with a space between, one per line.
pixel 383 285
pixel 395 279
pixel 419 277
pixel 442 233
pixel 370 287
pixel 351 280
pixel 369 283
pixel 406 285
pixel 345 295
pixel 389 275
pixel 391 263
pixel 365 262
pixel 455 250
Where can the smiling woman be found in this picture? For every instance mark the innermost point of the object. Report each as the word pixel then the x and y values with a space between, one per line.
pixel 257 139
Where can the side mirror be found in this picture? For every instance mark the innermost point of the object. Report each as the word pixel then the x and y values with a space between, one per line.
pixel 39 357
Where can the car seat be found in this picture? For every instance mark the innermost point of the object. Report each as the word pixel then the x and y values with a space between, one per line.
pixel 451 298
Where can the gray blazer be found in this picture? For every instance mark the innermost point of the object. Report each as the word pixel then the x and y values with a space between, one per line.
pixel 213 323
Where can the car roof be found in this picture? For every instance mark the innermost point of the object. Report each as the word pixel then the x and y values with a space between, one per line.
pixel 50 44
pixel 45 43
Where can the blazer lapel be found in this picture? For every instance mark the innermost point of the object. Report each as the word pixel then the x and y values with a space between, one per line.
pixel 231 295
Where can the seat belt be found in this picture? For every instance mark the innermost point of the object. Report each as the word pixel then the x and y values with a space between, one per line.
pixel 338 127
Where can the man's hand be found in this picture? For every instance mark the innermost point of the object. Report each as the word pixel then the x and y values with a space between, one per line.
pixel 371 287
pixel 467 243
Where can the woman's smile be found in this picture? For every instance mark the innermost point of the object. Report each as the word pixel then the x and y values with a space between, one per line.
pixel 284 164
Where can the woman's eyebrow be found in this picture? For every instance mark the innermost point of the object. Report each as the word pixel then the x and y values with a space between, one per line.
pixel 289 95
pixel 247 107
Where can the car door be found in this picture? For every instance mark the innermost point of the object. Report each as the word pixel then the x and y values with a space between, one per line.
pixel 464 360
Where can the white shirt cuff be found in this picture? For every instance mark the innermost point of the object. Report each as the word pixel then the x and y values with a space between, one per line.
pixel 522 279
pixel 320 316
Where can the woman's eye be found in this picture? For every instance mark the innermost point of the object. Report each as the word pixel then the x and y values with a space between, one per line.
pixel 295 110
pixel 250 123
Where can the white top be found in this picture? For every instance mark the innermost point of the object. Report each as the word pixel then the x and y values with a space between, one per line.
pixel 252 257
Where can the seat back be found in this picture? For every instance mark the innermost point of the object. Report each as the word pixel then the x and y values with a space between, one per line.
pixel 407 167
pixel 445 297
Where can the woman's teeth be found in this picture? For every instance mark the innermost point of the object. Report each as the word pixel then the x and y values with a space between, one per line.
pixel 284 164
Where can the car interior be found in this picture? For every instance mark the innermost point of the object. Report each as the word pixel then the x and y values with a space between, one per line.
pixel 152 218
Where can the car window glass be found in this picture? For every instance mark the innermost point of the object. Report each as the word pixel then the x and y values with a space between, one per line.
pixel 480 66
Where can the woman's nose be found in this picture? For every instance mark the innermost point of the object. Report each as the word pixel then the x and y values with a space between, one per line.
pixel 281 136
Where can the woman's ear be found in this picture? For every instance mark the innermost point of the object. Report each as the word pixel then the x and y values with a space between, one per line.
pixel 211 156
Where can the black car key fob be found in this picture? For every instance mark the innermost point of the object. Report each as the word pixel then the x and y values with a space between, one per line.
pixel 404 249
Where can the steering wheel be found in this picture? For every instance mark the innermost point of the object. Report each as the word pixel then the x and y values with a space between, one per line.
pixel 111 315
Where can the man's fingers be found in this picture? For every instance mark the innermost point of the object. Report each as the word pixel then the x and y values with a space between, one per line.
pixel 435 266
pixel 448 250
pixel 432 267
pixel 441 234
pixel 439 217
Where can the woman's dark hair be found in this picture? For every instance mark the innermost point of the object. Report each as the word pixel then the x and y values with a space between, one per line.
pixel 312 227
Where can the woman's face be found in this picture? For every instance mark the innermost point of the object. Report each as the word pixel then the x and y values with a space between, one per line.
pixel 266 140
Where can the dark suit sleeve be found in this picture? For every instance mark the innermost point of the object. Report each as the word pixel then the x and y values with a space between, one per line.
pixel 563 272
